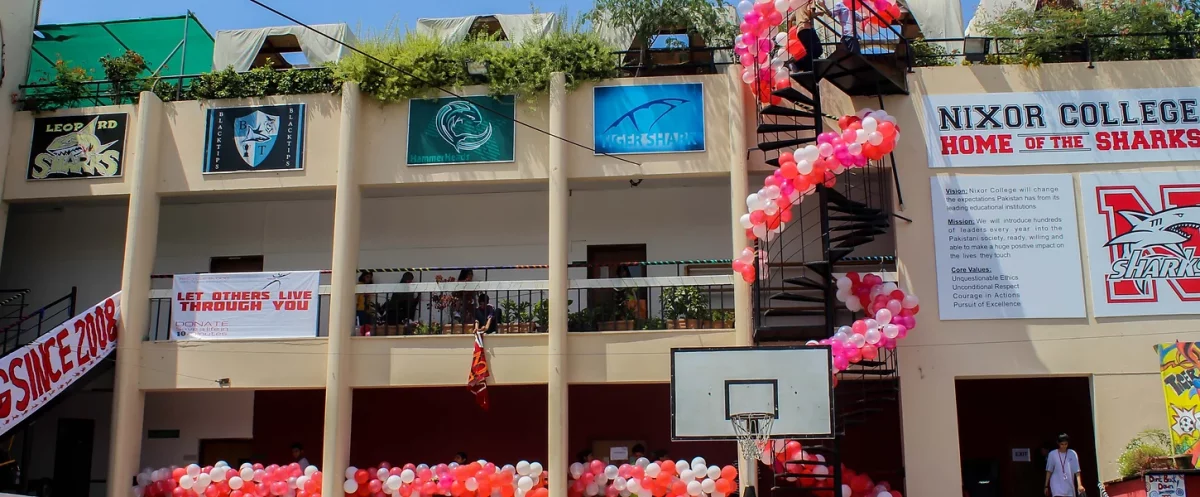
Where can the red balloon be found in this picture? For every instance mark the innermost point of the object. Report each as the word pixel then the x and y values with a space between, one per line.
pixel 756 217
pixel 361 477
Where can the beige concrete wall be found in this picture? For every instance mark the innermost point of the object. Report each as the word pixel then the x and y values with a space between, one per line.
pixel 17 18
pixel 248 364
pixel 1115 352
pixel 18 188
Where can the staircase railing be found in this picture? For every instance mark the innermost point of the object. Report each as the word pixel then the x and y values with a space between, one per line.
pixel 29 327
pixel 12 305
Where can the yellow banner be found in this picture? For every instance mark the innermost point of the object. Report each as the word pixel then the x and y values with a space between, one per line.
pixel 1180 367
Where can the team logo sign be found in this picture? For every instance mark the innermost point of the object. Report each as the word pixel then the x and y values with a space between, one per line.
pixel 255 135
pixel 1144 242
pixel 461 130
pixel 265 138
pixel 77 147
pixel 649 119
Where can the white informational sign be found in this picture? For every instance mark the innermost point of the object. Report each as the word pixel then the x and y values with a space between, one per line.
pixel 39 371
pixel 1143 242
pixel 1165 486
pixel 1020 455
pixel 1007 247
pixel 1063 127
pixel 244 305
pixel 618 454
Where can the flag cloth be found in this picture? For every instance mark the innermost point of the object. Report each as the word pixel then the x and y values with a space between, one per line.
pixel 477 380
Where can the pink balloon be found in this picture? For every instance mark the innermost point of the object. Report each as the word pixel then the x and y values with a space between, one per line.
pixel 859 327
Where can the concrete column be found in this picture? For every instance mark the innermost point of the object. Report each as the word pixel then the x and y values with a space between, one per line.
pixel 346 226
pixel 141 240
pixel 738 190
pixel 559 242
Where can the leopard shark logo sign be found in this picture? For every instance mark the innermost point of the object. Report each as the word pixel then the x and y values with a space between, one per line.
pixel 255 135
pixel 1149 255
pixel 461 124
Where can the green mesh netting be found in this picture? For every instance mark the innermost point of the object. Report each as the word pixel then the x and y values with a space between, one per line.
pixel 173 46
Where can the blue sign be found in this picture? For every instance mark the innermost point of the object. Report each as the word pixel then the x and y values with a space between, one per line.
pixel 649 119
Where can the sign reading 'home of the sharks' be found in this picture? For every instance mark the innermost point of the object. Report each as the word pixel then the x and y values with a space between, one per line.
pixel 649 119
pixel 461 130
pixel 77 147
pixel 264 138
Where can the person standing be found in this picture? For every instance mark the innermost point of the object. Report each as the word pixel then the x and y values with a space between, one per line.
pixel 298 455
pixel 1063 478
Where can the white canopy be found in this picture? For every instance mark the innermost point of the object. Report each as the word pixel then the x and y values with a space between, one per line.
pixel 937 18
pixel 239 47
pixel 518 27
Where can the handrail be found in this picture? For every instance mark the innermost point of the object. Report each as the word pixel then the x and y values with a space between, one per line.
pixel 40 312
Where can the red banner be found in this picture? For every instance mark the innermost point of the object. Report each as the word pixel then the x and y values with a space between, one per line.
pixel 477 379
pixel 34 374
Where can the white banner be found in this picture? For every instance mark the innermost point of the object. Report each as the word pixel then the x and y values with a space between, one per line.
pixel 1143 240
pixel 1165 486
pixel 34 374
pixel 1063 127
pixel 244 305
pixel 1007 247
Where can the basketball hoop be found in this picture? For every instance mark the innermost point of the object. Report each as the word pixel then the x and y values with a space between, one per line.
pixel 753 432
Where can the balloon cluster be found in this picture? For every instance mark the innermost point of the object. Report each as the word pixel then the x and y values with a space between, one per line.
pixel 868 135
pixel 652 479
pixel 793 457
pixel 222 480
pixel 891 313
pixel 874 14
pixel 476 479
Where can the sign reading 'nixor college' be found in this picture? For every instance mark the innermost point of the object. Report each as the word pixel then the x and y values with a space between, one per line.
pixel 1063 127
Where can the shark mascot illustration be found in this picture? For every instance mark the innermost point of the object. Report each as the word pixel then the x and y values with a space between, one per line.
pixel 451 120
pixel 1167 229
pixel 78 152
pixel 670 104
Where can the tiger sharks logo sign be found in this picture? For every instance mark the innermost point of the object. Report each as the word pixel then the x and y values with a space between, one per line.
pixel 1143 232
pixel 649 119
pixel 262 138
pixel 461 130
pixel 77 147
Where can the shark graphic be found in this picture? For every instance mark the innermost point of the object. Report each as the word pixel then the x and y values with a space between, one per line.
pixel 78 146
pixel 670 104
pixel 459 114
pixel 1163 229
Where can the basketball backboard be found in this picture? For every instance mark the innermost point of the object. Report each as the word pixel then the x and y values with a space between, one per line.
pixel 793 383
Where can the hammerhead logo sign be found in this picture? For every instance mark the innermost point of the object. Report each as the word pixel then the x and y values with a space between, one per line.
pixel 461 124
pixel 1149 245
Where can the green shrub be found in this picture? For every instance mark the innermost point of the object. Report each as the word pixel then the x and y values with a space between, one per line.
pixel 1140 453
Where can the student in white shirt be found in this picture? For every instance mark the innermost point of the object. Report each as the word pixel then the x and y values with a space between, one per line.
pixel 298 455
pixel 1063 478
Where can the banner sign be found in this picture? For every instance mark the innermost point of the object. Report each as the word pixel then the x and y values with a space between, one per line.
pixel 33 375
pixel 262 138
pixel 1007 247
pixel 1179 364
pixel 1063 127
pixel 461 130
pixel 1165 486
pixel 648 119
pixel 1143 238
pixel 77 147
pixel 244 305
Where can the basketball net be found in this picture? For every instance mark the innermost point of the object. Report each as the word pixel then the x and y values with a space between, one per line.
pixel 753 432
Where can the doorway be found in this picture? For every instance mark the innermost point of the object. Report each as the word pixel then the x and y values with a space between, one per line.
pixel 1007 427
pixel 73 456
pixel 613 261
pixel 236 264
pixel 234 451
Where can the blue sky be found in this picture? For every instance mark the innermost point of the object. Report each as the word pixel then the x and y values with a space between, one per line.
pixel 359 14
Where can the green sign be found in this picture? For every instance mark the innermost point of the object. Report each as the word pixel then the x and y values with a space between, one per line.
pixel 461 130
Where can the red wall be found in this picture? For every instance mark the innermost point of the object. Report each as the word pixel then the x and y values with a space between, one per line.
pixel 285 417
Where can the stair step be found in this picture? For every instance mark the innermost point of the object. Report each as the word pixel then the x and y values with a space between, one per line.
pixel 791 333
pixel 773 162
pixel 784 128
pixel 806 79
pixel 793 95
pixel 796 297
pixel 806 283
pixel 779 110
pixel 859 226
pixel 776 145
pixel 794 311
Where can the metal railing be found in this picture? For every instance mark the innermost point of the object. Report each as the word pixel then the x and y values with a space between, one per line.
pixel 28 328
pixel 12 306
pixel 1103 47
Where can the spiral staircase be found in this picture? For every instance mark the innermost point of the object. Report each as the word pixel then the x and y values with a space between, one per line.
pixel 841 228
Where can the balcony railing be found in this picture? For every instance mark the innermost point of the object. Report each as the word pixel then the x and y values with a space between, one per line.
pixel 433 303
pixel 1107 47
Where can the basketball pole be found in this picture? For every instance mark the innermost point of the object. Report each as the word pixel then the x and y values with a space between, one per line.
pixel 748 470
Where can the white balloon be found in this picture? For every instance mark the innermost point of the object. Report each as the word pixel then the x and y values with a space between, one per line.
pixel 700 470
pixel 812 343
pixel 843 295
pixel 783 5
pixel 860 136
pixel 247 474
pixel 203 480
pixel 144 478
pixel 771 208
pixel 873 336
pixel 687 475
pixel 853 305
pixel 811 153
pixel 525 483
pixel 236 482
pixel 218 473
pixel 875 138
pixel 844 283
pixel 890 330
pixel 842 338
pixel 653 468
pixel 744 7
pixel 310 470
pixel 854 149
pixel 694 488
pixel 576 470
pixel 193 470
pixel 708 486
pixel 857 341
pixel 186 482
pixel 825 149
pixel 452 465
pixel 883 316
pixel 753 202
pixel 349 472
pixel 610 472
pixel 642 462
pixel 804 166
pixel 759 231
pixel 745 221
pixel 910 301
pixel 633 485
pixel 601 479
pixel 870 124
pixel 871 323
pixel 591 489
pixel 350 486
pixel 846 491
pixel 382 474
pixel 523 468
pixel 620 483
pixel 473 485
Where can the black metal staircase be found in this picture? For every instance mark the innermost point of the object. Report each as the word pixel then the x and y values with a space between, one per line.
pixel 838 228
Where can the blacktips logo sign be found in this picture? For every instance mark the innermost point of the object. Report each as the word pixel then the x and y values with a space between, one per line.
pixel 267 138
pixel 77 147
pixel 461 130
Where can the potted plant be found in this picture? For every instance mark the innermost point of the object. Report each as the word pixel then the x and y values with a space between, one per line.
pixel 606 317
pixel 581 320
pixel 626 316
pixel 654 324
pixel 1149 450
pixel 695 307
pixel 508 316
pixel 525 317
pixel 672 303
pixel 727 320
